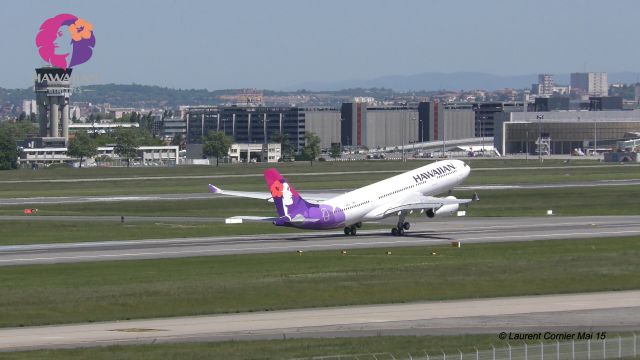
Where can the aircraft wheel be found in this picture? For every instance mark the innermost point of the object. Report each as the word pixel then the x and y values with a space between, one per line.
pixel 406 226
pixel 394 231
pixel 359 225
pixel 400 232
pixel 353 230
pixel 347 230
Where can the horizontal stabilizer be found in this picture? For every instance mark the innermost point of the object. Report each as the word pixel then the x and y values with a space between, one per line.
pixel 251 218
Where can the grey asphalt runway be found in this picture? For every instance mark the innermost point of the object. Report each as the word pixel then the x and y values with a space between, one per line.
pixel 206 195
pixel 423 232
pixel 605 311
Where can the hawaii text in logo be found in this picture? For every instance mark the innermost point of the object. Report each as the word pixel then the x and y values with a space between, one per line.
pixel 435 172
pixel 65 41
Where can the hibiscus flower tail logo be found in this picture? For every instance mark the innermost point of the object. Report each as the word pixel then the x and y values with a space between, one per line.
pixel 276 189
pixel 81 29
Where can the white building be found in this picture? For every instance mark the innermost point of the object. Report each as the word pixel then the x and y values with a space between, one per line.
pixel 147 155
pixel 545 84
pixel 29 107
pixel 255 152
pixel 100 128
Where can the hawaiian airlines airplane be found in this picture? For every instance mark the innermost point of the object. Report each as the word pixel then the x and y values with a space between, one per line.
pixel 396 196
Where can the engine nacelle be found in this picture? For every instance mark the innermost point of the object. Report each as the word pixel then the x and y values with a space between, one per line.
pixel 446 210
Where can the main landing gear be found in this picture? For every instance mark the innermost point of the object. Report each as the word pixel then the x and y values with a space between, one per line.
pixel 401 227
pixel 351 230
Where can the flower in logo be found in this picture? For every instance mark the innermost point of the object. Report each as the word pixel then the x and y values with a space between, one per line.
pixel 276 189
pixel 81 29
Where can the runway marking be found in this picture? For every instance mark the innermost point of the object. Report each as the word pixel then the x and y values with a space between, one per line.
pixel 317 246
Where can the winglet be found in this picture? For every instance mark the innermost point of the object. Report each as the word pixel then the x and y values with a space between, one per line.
pixel 214 189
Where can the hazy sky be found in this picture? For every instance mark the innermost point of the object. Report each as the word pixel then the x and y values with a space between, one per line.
pixel 277 43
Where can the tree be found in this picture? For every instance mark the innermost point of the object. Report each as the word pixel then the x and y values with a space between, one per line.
pixel 82 146
pixel 127 143
pixel 311 148
pixel 179 140
pixel 216 144
pixel 8 150
pixel 285 145
pixel 335 151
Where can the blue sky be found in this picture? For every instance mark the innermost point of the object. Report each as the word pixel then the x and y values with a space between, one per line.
pixel 274 44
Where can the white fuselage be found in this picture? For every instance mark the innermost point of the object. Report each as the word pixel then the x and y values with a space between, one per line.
pixel 368 203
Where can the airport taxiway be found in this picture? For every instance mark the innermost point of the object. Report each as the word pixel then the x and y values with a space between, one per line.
pixel 423 232
pixel 603 311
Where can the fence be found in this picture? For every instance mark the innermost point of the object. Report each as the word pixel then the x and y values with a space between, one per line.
pixel 612 348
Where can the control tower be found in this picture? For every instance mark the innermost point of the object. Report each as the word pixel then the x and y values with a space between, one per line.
pixel 53 89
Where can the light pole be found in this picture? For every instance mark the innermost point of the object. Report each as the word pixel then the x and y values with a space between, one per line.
pixel 444 137
pixel 526 154
pixel 540 117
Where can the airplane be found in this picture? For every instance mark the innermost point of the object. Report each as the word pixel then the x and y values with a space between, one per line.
pixel 399 196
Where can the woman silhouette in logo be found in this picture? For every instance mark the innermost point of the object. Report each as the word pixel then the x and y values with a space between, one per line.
pixel 65 41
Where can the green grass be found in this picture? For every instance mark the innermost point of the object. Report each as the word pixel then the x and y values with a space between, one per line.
pixel 613 200
pixel 256 182
pixel 398 346
pixel 85 292
pixel 36 232
pixel 302 166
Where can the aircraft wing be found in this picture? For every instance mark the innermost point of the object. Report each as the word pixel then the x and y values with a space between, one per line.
pixel 316 198
pixel 426 202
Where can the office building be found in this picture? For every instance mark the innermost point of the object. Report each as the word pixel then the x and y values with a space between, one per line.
pixel 589 84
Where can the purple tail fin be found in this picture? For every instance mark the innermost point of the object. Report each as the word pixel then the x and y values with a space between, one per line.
pixel 287 200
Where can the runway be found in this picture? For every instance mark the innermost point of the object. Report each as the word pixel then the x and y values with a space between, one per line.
pixel 206 195
pixel 605 311
pixel 423 232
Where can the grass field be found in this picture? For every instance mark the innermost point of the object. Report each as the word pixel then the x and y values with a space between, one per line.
pixel 397 346
pixel 255 181
pixel 620 200
pixel 302 166
pixel 85 292
pixel 31 232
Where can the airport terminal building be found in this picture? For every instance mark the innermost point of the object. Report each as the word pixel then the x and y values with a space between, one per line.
pixel 564 131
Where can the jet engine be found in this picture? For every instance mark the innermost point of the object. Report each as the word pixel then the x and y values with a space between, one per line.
pixel 445 210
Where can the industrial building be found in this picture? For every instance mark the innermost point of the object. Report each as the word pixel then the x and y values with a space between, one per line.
pixel 378 127
pixel 445 121
pixel 561 132
pixel 355 124
pixel 486 114
pixel 257 125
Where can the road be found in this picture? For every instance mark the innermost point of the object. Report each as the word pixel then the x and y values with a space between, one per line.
pixel 423 232
pixel 206 195
pixel 605 311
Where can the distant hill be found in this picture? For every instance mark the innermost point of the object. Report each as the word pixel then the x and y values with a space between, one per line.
pixel 432 81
